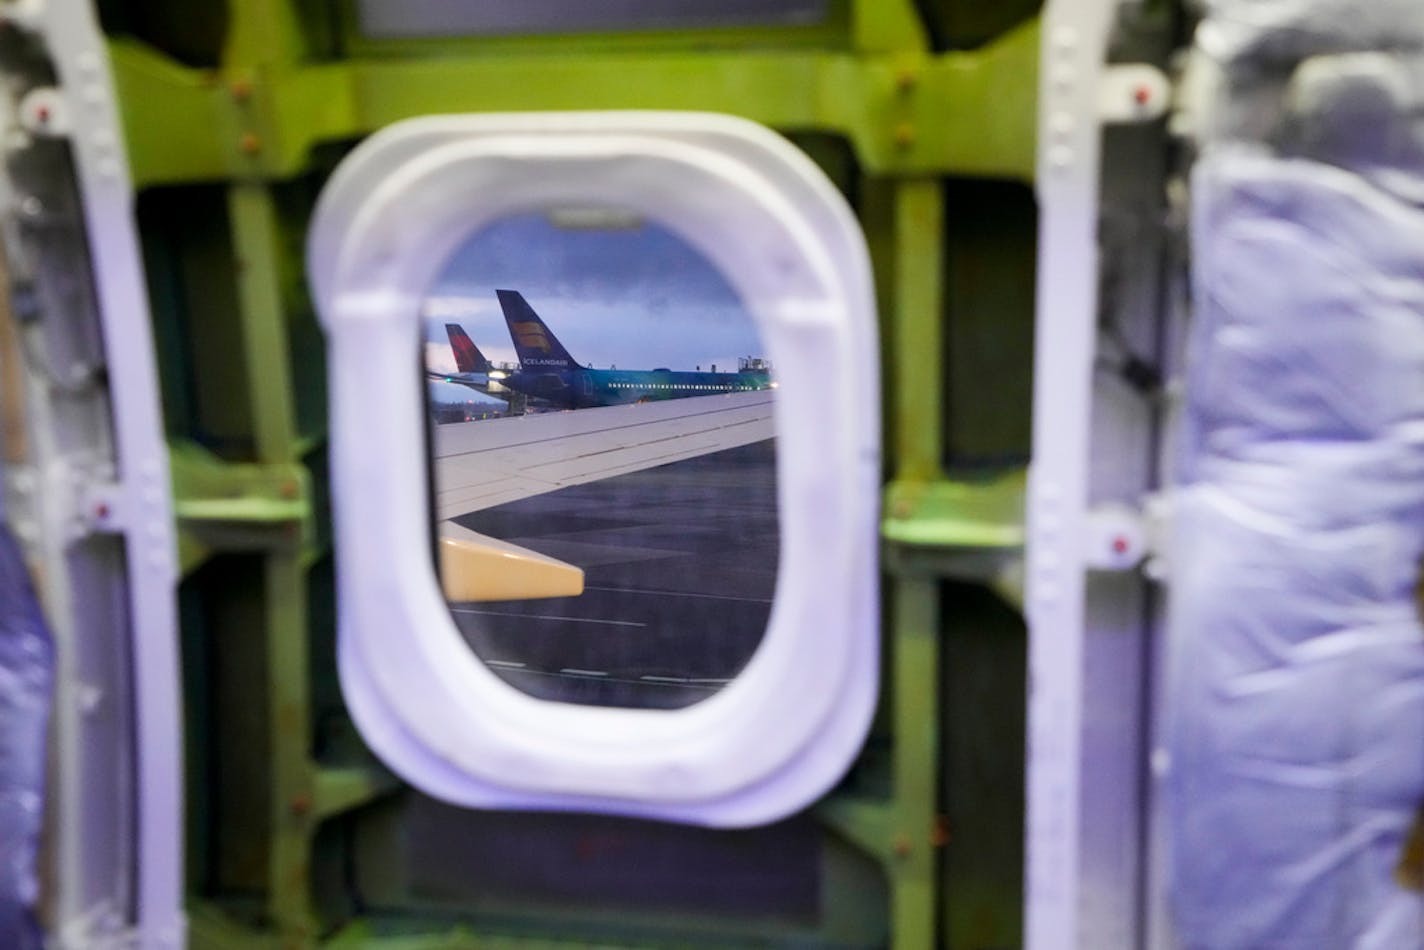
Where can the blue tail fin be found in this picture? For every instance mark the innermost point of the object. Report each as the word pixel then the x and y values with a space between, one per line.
pixel 533 341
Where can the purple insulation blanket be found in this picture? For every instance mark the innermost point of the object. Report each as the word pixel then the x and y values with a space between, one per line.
pixel 1296 677
pixel 26 675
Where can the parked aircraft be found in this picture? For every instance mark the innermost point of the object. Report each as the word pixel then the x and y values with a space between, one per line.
pixel 547 371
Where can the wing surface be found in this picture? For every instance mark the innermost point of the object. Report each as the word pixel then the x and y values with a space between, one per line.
pixel 494 461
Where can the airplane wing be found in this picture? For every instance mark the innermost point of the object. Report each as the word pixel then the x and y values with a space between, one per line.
pixel 491 462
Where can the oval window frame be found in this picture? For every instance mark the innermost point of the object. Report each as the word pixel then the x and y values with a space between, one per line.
pixel 781 733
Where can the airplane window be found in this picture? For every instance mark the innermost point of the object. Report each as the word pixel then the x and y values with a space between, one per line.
pixel 604 465
pixel 605 552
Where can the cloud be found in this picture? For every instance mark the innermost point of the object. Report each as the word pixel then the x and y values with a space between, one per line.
pixel 456 307
pixel 439 358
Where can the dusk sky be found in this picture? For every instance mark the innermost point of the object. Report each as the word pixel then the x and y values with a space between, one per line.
pixel 637 297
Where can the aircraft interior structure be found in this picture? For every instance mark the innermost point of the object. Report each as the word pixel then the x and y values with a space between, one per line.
pixel 902 474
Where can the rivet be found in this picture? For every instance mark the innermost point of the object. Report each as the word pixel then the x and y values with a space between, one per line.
pixel 904 135
pixel 241 90
pixel 906 78
pixel 902 846
pixel 249 143
pixel 301 803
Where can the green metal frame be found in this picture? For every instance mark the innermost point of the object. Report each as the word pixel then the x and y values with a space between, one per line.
pixel 906 112
pixel 911 116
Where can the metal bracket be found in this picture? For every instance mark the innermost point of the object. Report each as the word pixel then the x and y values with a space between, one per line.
pixel 1122 537
pixel 1133 92
pixel 103 507
pixel 44 111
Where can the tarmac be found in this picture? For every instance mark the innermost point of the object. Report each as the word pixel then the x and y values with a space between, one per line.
pixel 680 570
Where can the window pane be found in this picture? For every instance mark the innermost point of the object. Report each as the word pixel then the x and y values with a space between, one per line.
pixel 601 404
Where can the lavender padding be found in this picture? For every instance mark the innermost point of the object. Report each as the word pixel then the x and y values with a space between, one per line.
pixel 1296 676
pixel 26 678
pixel 1257 32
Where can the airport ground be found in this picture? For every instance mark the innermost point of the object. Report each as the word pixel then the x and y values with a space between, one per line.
pixel 680 568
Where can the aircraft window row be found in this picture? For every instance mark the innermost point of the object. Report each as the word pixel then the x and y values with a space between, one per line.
pixel 675 386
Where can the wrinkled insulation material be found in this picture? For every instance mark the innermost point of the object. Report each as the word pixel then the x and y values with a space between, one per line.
pixel 26 676
pixel 1296 673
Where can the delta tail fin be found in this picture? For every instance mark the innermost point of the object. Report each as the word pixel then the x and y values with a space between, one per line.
pixel 533 341
pixel 468 358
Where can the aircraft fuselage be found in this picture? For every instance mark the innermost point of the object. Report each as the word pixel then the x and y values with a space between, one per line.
pixel 583 388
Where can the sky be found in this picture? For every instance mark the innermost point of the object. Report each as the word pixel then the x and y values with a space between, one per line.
pixel 635 296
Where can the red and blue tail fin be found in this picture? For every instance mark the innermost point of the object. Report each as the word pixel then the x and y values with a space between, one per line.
pixel 468 358
pixel 533 341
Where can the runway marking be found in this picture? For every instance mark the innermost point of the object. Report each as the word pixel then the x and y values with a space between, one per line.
pixel 679 593
pixel 499 613
pixel 569 671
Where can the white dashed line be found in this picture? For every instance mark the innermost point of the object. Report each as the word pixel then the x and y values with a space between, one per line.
pixel 678 593
pixel 572 672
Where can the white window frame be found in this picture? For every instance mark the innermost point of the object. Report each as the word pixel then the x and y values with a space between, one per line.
pixel 788 727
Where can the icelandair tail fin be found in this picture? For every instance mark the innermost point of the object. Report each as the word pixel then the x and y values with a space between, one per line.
pixel 533 341
pixel 468 358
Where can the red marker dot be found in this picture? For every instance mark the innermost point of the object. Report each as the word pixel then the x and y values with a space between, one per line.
pixel 42 113
pixel 1142 94
pixel 1120 545
pixel 101 511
